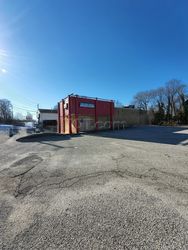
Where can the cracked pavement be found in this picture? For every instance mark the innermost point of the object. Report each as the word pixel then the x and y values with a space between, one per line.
pixel 123 189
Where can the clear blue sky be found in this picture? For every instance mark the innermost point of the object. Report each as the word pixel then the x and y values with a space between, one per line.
pixel 101 48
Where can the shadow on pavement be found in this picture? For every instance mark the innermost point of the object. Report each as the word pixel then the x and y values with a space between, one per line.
pixel 157 134
pixel 46 137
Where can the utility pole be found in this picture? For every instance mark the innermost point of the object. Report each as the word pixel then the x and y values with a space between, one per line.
pixel 38 112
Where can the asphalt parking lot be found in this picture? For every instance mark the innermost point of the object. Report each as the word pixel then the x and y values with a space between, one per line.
pixel 124 189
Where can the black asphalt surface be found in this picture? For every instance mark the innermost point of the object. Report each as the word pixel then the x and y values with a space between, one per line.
pixel 123 189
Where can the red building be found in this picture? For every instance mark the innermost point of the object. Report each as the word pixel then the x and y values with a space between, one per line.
pixel 79 113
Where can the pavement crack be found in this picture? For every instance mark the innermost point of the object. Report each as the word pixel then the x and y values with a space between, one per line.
pixel 23 173
pixel 57 180
pixel 20 168
pixel 17 191
pixel 159 178
pixel 71 181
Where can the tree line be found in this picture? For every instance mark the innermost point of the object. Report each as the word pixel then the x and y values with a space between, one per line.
pixel 169 103
pixel 6 111
pixel 7 117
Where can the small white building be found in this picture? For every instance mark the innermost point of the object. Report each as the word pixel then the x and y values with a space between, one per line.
pixel 47 119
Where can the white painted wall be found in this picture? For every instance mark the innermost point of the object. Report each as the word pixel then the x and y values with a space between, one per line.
pixel 48 116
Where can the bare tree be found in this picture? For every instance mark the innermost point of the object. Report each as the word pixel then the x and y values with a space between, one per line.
pixel 175 93
pixel 182 96
pixel 6 110
pixel 19 116
pixel 158 98
pixel 168 103
pixel 29 116
pixel 142 100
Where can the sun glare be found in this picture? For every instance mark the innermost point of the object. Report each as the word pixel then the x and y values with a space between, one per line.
pixel 3 71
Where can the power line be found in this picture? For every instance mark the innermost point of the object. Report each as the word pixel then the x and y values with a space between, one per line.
pixel 29 110
pixel 22 106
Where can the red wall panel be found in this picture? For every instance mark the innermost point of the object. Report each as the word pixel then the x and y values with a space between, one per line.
pixel 100 108
pixel 103 107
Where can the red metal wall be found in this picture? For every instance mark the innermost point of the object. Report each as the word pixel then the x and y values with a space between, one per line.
pixel 101 108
